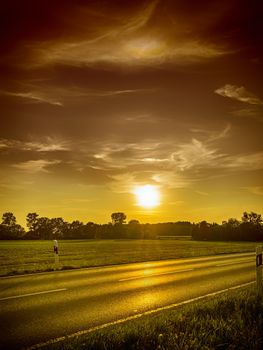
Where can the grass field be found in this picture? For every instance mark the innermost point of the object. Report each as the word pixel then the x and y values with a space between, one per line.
pixel 17 257
pixel 233 320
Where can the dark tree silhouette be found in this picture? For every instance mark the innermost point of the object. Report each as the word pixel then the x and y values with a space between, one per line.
pixel 8 219
pixel 252 218
pixel 118 218
pixel 134 222
pixel 134 229
pixel 32 221
pixel 232 222
pixel 9 229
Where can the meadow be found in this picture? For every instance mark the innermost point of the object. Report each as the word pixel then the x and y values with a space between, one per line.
pixel 19 257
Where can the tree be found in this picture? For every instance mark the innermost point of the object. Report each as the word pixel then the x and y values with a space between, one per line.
pixel 32 221
pixel 74 229
pixel 11 232
pixel 134 222
pixel 252 218
pixel 58 226
pixel 90 230
pixel 134 229
pixel 251 228
pixel 232 222
pixel 9 229
pixel 118 218
pixel 44 229
pixel 202 231
pixel 8 219
pixel 230 230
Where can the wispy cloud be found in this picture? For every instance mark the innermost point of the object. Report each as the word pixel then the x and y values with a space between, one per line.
pixel 245 162
pixel 146 50
pixel 239 93
pixel 60 96
pixel 202 193
pixel 252 112
pixel 211 135
pixel 193 154
pixel 122 41
pixel 139 119
pixel 141 19
pixel 105 93
pixel 121 155
pixel 171 179
pixel 48 145
pixel 121 164
pixel 35 97
pixel 176 164
pixel 35 166
pixel 257 190
pixel 126 181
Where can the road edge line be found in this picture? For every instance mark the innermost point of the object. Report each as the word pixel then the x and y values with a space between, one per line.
pixel 133 317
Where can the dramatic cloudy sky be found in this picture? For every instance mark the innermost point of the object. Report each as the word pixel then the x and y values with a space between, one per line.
pixel 98 97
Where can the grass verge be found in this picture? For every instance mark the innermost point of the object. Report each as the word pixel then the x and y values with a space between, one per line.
pixel 233 320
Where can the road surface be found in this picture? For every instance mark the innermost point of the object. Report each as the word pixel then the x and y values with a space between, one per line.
pixel 39 307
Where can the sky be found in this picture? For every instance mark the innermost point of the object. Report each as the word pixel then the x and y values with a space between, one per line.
pixel 98 98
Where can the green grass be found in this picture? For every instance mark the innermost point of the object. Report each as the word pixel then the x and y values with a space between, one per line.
pixel 233 320
pixel 17 257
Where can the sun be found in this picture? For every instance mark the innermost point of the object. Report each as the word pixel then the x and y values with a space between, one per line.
pixel 148 196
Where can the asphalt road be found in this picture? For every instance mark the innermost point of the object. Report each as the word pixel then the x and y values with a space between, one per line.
pixel 39 307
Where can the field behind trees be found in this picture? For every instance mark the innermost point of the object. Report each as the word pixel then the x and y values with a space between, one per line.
pixel 18 257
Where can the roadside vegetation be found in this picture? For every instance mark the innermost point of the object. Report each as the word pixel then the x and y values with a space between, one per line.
pixel 233 320
pixel 24 256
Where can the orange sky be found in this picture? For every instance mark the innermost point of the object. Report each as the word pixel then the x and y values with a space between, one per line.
pixel 100 97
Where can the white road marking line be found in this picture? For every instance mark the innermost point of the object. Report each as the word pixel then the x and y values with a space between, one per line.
pixel 154 274
pixel 129 318
pixel 234 263
pixel 31 294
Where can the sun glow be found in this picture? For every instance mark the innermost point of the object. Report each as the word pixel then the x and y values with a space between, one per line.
pixel 148 196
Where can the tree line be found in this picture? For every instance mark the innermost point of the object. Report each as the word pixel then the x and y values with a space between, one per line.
pixel 249 228
pixel 45 228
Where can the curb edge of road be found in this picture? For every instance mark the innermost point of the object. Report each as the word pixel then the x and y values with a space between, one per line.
pixel 133 317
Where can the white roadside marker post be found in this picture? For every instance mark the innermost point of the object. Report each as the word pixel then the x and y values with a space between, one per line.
pixel 56 251
pixel 259 269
